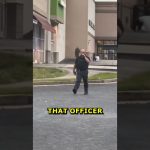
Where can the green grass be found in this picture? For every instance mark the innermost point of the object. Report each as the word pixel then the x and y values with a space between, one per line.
pixel 41 73
pixel 16 91
pixel 15 68
pixel 54 81
pixel 100 77
pixel 136 82
pixel 103 76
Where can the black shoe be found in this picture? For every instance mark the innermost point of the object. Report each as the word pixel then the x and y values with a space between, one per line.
pixel 74 91
pixel 85 93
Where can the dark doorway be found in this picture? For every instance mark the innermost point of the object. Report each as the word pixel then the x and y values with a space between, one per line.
pixel 11 9
pixel 14 20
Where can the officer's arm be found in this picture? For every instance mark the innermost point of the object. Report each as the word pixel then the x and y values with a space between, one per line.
pixel 87 59
pixel 74 68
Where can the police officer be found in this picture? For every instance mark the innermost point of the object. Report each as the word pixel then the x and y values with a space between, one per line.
pixel 81 71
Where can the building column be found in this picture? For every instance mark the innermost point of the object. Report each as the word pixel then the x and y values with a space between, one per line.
pixel 48 36
pixel 45 46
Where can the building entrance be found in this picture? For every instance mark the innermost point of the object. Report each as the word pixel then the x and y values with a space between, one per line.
pixel 107 50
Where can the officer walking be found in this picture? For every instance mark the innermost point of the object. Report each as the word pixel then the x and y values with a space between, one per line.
pixel 81 71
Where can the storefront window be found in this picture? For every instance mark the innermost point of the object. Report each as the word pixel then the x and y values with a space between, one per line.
pixel 38 37
pixel 107 50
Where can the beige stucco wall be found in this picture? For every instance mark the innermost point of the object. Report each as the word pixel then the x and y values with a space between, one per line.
pixel 40 6
pixel 91 15
pixel 91 46
pixel 76 26
pixel 91 31
pixel 106 20
pixel 106 24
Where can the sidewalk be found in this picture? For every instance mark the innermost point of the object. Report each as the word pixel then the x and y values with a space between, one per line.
pixel 70 74
pixel 91 67
pixel 70 77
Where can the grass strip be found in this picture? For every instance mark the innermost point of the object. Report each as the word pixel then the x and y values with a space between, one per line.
pixel 41 73
pixel 137 82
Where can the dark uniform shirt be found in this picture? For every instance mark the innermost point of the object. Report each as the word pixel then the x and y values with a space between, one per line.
pixel 81 63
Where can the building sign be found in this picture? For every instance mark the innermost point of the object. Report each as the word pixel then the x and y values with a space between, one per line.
pixel 91 24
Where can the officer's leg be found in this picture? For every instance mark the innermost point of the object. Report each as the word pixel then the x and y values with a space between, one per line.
pixel 78 81
pixel 85 81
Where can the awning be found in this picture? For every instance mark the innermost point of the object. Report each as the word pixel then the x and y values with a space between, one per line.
pixel 44 23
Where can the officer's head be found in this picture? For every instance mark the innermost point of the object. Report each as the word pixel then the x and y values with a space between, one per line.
pixel 82 51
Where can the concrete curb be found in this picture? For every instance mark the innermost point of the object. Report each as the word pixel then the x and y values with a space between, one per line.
pixel 123 96
pixel 95 67
pixel 21 100
pixel 72 82
pixel 103 69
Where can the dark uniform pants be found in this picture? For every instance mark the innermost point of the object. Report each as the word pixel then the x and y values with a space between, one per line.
pixel 81 75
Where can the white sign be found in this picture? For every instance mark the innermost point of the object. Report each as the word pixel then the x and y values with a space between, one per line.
pixel 35 21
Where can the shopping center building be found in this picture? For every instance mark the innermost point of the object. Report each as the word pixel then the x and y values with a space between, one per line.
pixel 80 26
pixel 106 30
pixel 48 31
pixel 62 25
pixel 41 31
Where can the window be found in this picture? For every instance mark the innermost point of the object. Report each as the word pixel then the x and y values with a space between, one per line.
pixel 38 37
pixel 107 49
